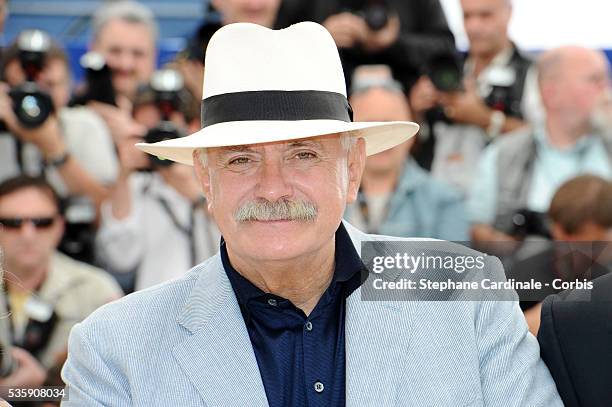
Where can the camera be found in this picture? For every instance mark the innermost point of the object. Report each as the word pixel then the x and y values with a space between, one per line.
pixel 374 12
pixel 98 80
pixel 166 87
pixel 445 72
pixel 31 105
pixel 526 222
pixel 499 82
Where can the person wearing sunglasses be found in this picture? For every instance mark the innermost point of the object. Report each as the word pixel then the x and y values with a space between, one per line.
pixel 45 292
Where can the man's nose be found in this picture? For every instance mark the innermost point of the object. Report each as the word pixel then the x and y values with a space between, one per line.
pixel 273 182
pixel 28 230
pixel 125 61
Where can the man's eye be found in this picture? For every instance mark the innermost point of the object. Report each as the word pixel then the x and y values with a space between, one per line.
pixel 305 155
pixel 239 161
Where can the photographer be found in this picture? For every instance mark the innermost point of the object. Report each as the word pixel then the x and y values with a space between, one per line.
pixel 70 145
pixel 396 196
pixel 520 173
pixel 124 33
pixel 392 32
pixel 45 292
pixel 465 103
pixel 580 222
pixel 156 215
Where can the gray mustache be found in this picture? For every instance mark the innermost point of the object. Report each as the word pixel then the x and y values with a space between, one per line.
pixel 283 209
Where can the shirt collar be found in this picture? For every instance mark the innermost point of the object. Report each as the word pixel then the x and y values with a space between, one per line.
pixel 411 177
pixel 347 272
pixel 501 59
pixel 582 143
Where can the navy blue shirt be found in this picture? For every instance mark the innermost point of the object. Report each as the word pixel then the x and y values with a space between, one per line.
pixel 301 358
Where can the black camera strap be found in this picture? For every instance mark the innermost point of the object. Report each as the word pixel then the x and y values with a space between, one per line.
pixel 187 230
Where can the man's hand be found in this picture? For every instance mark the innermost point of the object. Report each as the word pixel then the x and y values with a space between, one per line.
pixel 131 158
pixel 466 107
pixel 382 39
pixel 119 120
pixel 350 30
pixel 47 137
pixel 347 29
pixel 182 178
pixel 29 372
pixel 423 96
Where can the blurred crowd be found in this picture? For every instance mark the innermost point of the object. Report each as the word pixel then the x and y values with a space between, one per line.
pixel 514 154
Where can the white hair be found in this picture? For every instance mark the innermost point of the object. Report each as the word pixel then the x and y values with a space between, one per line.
pixel 347 140
pixel 126 10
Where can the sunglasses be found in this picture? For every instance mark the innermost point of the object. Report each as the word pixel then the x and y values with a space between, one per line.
pixel 17 223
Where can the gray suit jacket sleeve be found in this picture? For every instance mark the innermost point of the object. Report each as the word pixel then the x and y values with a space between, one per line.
pixel 511 370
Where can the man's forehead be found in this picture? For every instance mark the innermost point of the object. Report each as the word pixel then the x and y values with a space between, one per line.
pixel 108 32
pixel 318 142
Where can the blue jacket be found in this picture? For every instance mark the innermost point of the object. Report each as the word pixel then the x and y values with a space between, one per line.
pixel 421 206
pixel 184 343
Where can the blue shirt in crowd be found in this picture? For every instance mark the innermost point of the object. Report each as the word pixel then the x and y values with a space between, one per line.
pixel 301 358
pixel 420 206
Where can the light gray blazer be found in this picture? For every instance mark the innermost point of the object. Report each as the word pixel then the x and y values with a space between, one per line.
pixel 184 343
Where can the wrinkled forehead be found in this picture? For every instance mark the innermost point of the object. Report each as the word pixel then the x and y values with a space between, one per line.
pixel 328 143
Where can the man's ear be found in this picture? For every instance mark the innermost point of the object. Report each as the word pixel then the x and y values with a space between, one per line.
pixel 203 176
pixel 356 165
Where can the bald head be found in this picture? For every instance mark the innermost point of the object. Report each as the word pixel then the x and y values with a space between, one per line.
pixel 573 82
pixel 560 62
pixel 378 104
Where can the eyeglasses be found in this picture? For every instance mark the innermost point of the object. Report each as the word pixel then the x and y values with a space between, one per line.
pixel 17 223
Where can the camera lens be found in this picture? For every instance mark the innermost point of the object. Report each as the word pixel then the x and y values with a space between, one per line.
pixel 32 106
pixel 164 131
pixel 376 16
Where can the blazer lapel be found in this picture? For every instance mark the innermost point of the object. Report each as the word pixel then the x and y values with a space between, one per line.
pixel 218 357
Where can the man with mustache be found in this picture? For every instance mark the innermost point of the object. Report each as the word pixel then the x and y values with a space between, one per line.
pixel 277 316
pixel 124 33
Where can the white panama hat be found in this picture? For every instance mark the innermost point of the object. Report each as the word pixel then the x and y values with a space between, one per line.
pixel 264 85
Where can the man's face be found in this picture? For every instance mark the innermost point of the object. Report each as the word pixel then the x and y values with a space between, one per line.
pixel 582 85
pixel 486 25
pixel 29 247
pixel 381 105
pixel 318 171
pixel 129 50
pixel 262 12
pixel 55 80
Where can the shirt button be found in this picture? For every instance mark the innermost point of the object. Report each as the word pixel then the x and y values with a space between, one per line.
pixel 309 326
pixel 318 386
pixel 272 302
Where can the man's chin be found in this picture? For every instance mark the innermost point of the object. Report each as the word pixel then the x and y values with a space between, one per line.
pixel 277 239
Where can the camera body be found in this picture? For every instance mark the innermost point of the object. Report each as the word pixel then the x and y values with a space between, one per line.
pixel 32 105
pixel 374 12
pixel 98 80
pixel 445 72
pixel 166 86
pixel 165 130
pixel 526 222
